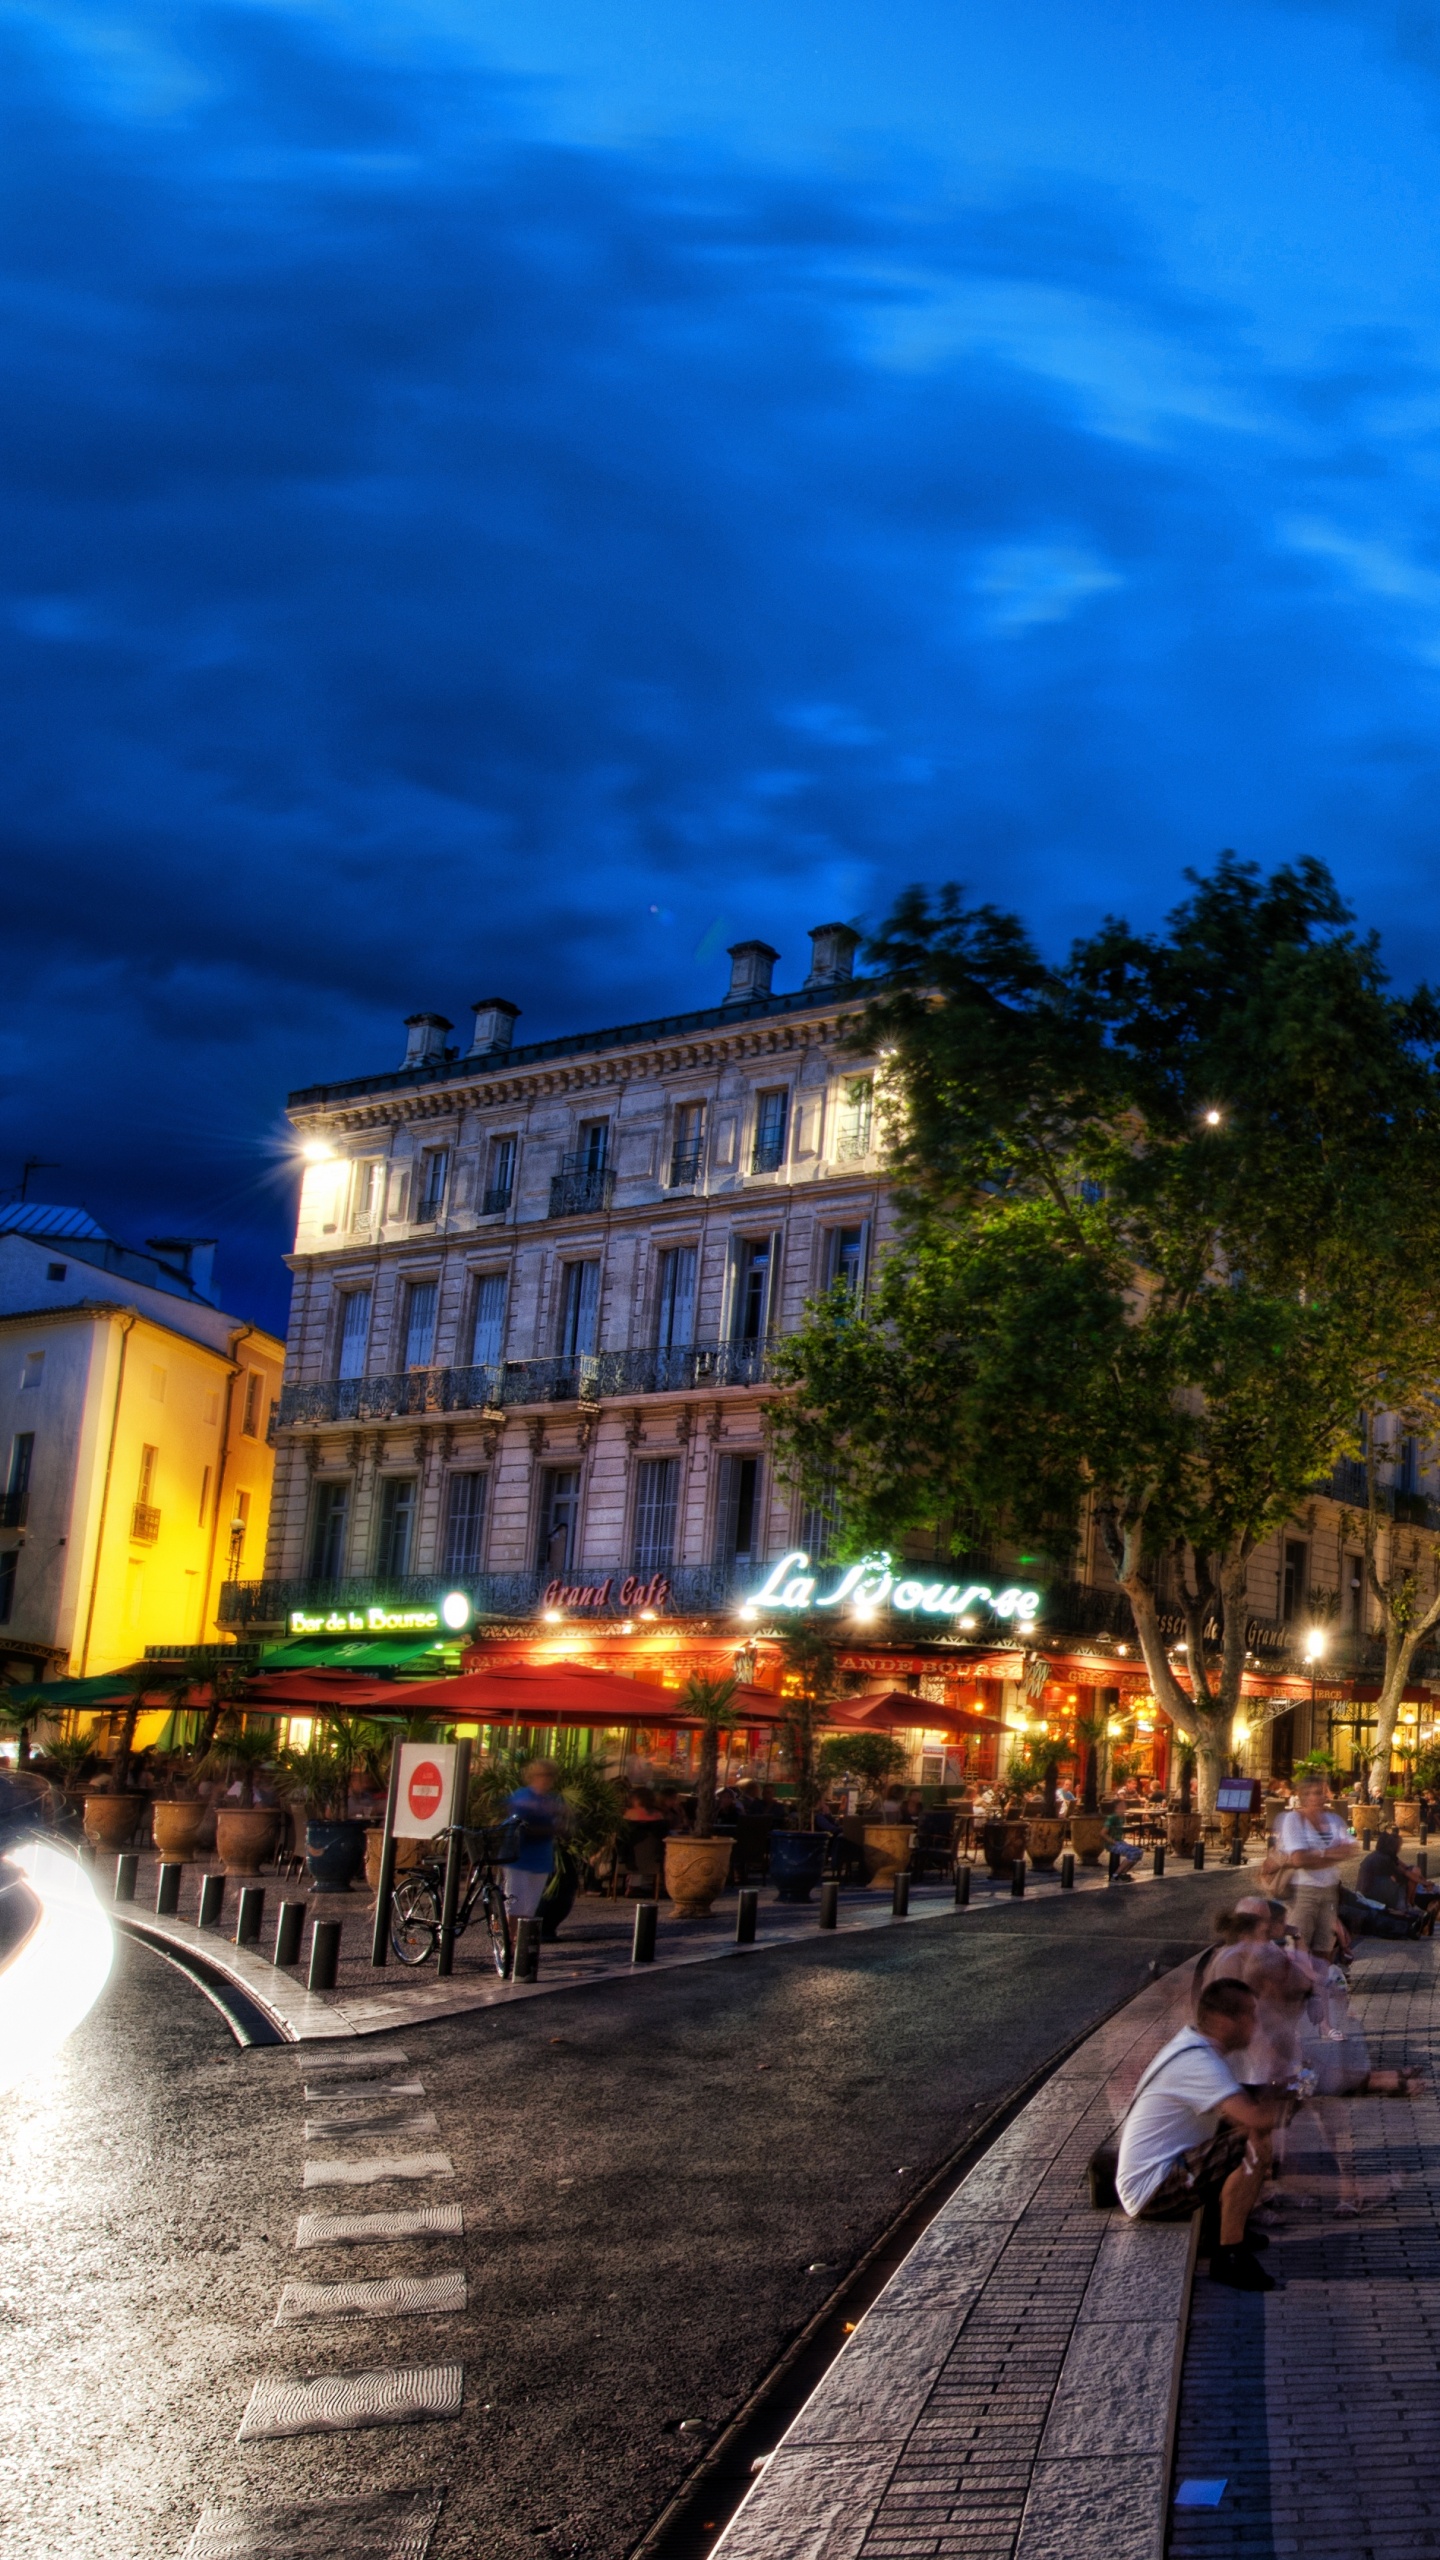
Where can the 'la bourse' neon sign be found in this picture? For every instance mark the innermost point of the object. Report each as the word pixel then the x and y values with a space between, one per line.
pixel 870 1584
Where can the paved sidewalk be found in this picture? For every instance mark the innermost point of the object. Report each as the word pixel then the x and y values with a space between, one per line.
pixel 593 1946
pixel 1319 2405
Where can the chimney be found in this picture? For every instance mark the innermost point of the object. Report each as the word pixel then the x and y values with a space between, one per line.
pixel 495 1020
pixel 425 1046
pixel 750 967
pixel 191 1258
pixel 832 955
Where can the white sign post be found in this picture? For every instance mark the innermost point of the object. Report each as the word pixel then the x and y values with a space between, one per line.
pixel 429 1783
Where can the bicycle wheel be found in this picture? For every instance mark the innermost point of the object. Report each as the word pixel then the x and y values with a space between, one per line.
pixel 497 1921
pixel 414 1920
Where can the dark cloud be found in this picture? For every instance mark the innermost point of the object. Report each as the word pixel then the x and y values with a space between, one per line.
pixel 441 561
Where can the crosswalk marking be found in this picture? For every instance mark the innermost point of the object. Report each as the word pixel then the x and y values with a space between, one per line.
pixel 399 2396
pixel 373 2120
pixel 396 2525
pixel 373 2173
pixel 328 2094
pixel 372 2298
pixel 350 2061
pixel 422 2222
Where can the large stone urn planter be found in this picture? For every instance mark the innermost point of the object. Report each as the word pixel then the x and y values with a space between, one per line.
pixel 1407 1814
pixel 244 1834
pixel 1002 1843
pixel 797 1863
pixel 695 1871
pixel 887 1851
pixel 1182 1830
pixel 177 1826
pixel 408 1853
pixel 110 1820
pixel 1087 1837
pixel 1043 1840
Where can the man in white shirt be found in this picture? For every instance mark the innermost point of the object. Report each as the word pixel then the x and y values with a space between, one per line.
pixel 1193 2136
pixel 1316 1842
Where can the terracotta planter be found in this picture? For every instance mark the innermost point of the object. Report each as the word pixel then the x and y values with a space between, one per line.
pixel 695 1871
pixel 887 1851
pixel 408 1853
pixel 1002 1843
pixel 177 1828
pixel 1407 1814
pixel 1043 1840
pixel 244 1834
pixel 110 1820
pixel 1087 1837
pixel 1182 1830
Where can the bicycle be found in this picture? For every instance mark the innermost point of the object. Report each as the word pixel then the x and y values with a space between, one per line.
pixel 415 1904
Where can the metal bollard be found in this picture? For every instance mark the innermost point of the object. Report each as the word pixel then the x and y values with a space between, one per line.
pixel 288 1929
pixel 324 1955
pixel 212 1900
pixel 1017 1878
pixel 1067 1872
pixel 747 1912
pixel 1424 1833
pixel 646 1915
pixel 1367 1841
pixel 527 1951
pixel 167 1889
pixel 962 1887
pixel 1422 1863
pixel 1157 1863
pixel 1115 1862
pixel 830 1904
pixel 1198 1860
pixel 127 1868
pixel 900 1896
pixel 1237 1851
pixel 249 1915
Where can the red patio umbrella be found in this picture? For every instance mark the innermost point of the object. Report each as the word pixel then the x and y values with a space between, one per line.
pixel 890 1710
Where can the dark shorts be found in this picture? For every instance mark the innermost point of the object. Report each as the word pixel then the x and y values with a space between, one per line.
pixel 1197 2176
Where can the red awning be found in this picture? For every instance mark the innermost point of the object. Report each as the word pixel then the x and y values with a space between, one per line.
pixel 897 1710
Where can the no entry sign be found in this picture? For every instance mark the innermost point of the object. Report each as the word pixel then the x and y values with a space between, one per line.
pixel 425 1803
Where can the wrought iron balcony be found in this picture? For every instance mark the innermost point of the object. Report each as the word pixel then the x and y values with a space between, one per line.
pixel 427 1211
pixel 581 1377
pixel 852 1144
pixel 768 1154
pixel 684 1168
pixel 144 1524
pixel 497 1199
pixel 578 1190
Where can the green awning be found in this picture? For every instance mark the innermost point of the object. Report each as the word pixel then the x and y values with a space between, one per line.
pixel 416 1654
pixel 103 1688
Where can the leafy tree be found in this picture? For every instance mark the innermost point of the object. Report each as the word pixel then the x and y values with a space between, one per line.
pixel 810 1659
pixel 1169 1215
pixel 873 1757
pixel 241 1751
pixel 711 1701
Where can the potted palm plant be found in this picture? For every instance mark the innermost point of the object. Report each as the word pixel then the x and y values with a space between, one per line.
pixel 112 1810
pixel 1087 1823
pixel 245 1832
pixel 1045 1831
pixel 334 1845
pixel 1003 1839
pixel 1184 1825
pixel 797 1858
pixel 696 1863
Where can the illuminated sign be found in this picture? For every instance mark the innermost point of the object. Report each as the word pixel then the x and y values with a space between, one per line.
pixel 870 1584
pixel 453 1612
pixel 634 1592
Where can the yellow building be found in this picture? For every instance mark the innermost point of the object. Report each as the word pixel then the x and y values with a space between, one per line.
pixel 136 1423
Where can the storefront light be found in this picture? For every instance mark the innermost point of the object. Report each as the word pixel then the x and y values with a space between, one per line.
pixel 552 1617
pixel 749 1614
pixel 627 1626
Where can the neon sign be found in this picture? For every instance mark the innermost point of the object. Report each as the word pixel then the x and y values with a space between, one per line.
pixel 870 1584
pixel 453 1611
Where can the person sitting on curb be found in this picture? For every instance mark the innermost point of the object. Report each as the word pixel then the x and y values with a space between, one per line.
pixel 1192 2136
pixel 1129 1852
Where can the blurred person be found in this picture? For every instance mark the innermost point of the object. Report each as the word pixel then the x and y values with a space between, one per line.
pixel 1315 1842
pixel 535 1814
pixel 1193 2136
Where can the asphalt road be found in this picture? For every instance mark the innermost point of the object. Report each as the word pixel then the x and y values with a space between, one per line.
pixel 648 2172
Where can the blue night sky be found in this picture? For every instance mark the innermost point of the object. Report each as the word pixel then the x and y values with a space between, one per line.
pixel 506 500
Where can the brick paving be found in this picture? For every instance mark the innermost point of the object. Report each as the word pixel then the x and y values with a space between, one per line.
pixel 1319 2405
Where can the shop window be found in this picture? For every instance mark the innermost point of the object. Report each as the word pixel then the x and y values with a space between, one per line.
pixel 675 1313
pixel 657 1495
pixel 739 1530
pixel 466 1501
pixel 395 1533
pixel 559 1519
pixel 329 1525
pixel 354 1333
pixel 487 1342
pixel 421 1299
pixel 579 1308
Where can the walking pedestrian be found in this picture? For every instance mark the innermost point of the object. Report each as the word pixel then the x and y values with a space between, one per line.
pixel 1314 1842
pixel 534 1815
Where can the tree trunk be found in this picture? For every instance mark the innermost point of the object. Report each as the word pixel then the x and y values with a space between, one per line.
pixel 1200 1716
pixel 705 1782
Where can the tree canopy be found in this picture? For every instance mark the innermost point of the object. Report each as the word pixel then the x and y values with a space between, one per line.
pixel 1169 1217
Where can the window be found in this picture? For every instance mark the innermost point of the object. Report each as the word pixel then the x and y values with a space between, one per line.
pixel 857 1114
pixel 56 1270
pixel 487 1345
pixel 145 1518
pixel 817 1527
pixel 559 1519
pixel 579 1307
pixel 845 1259
pixel 594 1142
pixel 738 1532
pixel 420 1302
pixel 212 1407
pixel 149 1460
pixel 329 1529
pixel 396 1530
pixel 369 1195
pixel 354 1332
pixel 433 1171
pixel 769 1149
pixel 675 1319
pixel 17 1488
pixel 1409 1464
pixel 204 1496
pixel 500 1187
pixel 9 1562
pixel 239 1523
pixel 465 1503
pixel 689 1140
pixel 33 1372
pixel 250 1418
pixel 754 1258
pixel 657 1495
pixel 1294 1581
pixel 157 1385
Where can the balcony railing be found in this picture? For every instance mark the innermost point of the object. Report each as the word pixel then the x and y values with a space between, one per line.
pixel 497 1199
pixel 581 1377
pixel 144 1524
pixel 684 1168
pixel 851 1145
pixel 12 1510
pixel 767 1155
pixel 428 1210
pixel 578 1190
pixel 693 1589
